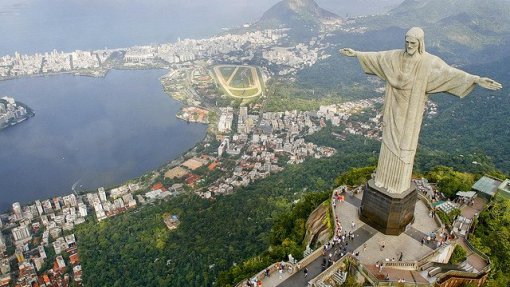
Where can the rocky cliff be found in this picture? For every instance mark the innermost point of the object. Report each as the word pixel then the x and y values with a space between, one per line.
pixel 317 225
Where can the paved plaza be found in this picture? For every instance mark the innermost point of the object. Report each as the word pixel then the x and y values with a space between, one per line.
pixel 367 244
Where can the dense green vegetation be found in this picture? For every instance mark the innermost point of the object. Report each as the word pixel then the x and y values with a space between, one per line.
pixel 337 76
pixel 355 176
pixel 288 96
pixel 449 181
pixel 448 218
pixel 136 249
pixel 238 234
pixel 492 237
pixel 458 255
pixel 286 237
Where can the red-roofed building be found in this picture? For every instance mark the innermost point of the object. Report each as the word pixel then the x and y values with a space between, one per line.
pixel 191 179
pixel 157 186
pixel 213 165
pixel 55 266
pixel 74 259
pixel 5 280
pixel 46 279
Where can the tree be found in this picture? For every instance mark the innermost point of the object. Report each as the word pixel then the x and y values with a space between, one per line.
pixel 355 176
pixel 458 255
pixel 492 236
pixel 449 181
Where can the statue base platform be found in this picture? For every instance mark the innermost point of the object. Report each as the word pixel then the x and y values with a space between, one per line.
pixel 389 213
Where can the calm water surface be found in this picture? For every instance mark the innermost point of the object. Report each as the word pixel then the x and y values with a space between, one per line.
pixel 101 131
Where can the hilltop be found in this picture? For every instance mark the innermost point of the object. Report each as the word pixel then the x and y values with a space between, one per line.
pixel 455 28
pixel 298 15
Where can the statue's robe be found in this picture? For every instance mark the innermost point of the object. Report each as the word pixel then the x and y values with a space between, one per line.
pixel 409 79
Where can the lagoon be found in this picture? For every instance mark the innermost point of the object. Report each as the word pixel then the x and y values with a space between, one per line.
pixel 98 131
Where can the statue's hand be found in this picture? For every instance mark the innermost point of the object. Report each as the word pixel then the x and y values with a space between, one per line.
pixel 348 52
pixel 489 84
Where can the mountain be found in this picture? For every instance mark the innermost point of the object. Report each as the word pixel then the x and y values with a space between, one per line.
pixel 488 17
pixel 434 11
pixel 351 8
pixel 456 29
pixel 298 14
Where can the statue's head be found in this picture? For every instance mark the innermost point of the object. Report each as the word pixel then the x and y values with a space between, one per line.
pixel 415 41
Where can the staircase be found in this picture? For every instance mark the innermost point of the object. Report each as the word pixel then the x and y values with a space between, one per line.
pixel 339 277
pixel 307 251
pixel 466 266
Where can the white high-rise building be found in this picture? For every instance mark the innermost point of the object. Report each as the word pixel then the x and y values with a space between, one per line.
pixel 82 209
pixel 21 234
pixel 56 203
pixel 16 209
pixel 70 200
pixel 102 194
pixel 47 206
pixel 39 207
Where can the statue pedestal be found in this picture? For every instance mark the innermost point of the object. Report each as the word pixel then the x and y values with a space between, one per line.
pixel 389 213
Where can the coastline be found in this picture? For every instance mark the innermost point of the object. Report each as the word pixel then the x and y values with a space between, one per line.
pixel 160 57
pixel 29 114
pixel 168 163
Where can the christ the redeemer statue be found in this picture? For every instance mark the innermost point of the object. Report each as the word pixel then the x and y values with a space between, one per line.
pixel 410 74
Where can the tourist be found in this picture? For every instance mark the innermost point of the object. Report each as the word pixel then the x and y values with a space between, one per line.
pixel 305 271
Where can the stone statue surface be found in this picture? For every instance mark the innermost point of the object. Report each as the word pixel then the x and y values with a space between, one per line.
pixel 411 75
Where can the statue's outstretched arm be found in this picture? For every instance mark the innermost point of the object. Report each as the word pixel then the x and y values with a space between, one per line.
pixel 348 52
pixel 488 84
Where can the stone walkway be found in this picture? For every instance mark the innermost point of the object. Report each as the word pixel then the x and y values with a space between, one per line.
pixel 394 274
pixel 467 211
pixel 408 243
pixel 276 278
pixel 470 211
pixel 361 235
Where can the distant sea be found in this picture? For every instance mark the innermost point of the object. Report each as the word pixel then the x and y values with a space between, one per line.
pixel 97 131
pixel 30 26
